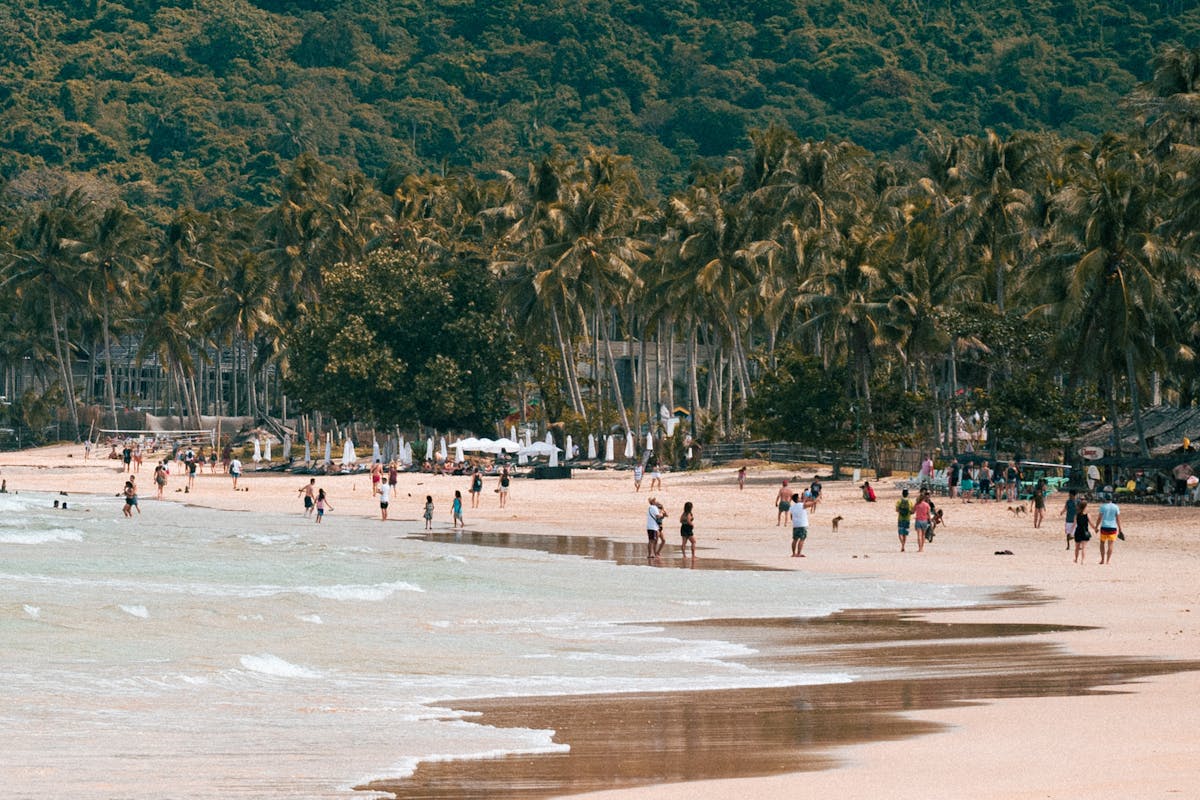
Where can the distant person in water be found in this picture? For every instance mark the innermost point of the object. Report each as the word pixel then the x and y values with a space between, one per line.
pixel 428 512
pixel 456 510
pixel 322 504
pixel 309 492
pixel 131 500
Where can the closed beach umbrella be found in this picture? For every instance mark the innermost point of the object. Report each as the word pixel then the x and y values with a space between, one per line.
pixel 429 448
pixel 609 453
pixel 649 441
pixel 549 437
pixel 522 458
pixel 267 452
pixel 375 454
pixel 528 438
pixel 569 449
pixel 591 447
pixel 329 448
pixel 628 444
pixel 554 457
pixel 458 450
pixel 442 448
pixel 512 432
pixel 257 450
pixel 307 451
pixel 348 456
pixel 408 454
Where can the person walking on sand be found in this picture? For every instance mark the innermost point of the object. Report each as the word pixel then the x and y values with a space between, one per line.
pixel 638 471
pixel 741 478
pixel 1069 510
pixel 1081 533
pixel 191 472
pixel 687 530
pixel 783 502
pixel 476 487
pixel 904 510
pixel 798 510
pixel 160 480
pixel 1110 528
pixel 655 475
pixel 385 496
pixel 310 498
pixel 505 479
pixel 428 512
pixel 322 504
pixel 456 510
pixel 392 476
pixel 376 476
pixel 235 470
pixel 922 516
pixel 654 520
pixel 1039 502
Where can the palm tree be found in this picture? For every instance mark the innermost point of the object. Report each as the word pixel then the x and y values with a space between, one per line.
pixel 1110 267
pixel 114 254
pixel 45 263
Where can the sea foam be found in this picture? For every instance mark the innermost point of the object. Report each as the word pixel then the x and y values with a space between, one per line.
pixel 275 666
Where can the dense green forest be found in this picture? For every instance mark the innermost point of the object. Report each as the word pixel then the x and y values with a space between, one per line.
pixel 205 102
pixel 853 223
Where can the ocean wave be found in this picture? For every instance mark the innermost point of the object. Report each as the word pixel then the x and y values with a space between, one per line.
pixel 275 666
pixel 141 612
pixel 360 592
pixel 42 537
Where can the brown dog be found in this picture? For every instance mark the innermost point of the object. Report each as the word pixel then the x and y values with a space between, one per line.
pixel 1016 511
pixel 836 520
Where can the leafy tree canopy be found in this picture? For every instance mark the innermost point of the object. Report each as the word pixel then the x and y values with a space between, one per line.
pixel 394 340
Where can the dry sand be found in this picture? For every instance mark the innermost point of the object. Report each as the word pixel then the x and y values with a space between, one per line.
pixel 1138 741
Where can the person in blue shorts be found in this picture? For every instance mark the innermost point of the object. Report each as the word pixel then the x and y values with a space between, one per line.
pixel 904 512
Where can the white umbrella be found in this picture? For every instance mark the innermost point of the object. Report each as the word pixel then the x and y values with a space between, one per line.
pixel 407 459
pixel 458 451
pixel 539 449
pixel 400 447
pixel 375 454
pixel 512 431
pixel 628 444
pixel 257 450
pixel 287 446
pixel 267 452
pixel 329 448
pixel 569 449
pixel 469 443
pixel 554 457
pixel 649 441
pixel 608 449
pixel 528 437
pixel 485 445
pixel 429 448
pixel 591 447
pixel 442 448
pixel 549 437
pixel 509 446
pixel 348 456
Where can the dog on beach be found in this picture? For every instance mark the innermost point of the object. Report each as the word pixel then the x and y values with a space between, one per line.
pixel 836 520
pixel 1016 511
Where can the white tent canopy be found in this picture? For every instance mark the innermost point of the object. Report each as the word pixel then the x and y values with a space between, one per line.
pixel 267 451
pixel 539 449
pixel 569 449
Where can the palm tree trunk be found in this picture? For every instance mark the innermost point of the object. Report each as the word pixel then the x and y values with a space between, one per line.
pixel 693 377
pixel 616 385
pixel 568 364
pixel 64 369
pixel 1135 401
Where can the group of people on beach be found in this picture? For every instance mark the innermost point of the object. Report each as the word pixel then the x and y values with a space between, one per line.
pixel 1079 527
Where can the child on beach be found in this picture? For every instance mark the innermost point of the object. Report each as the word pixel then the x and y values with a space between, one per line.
pixel 687 530
pixel 456 510
pixel 1070 509
pixel 322 504
pixel 1082 533
pixel 741 478
pixel 428 512
pixel 637 477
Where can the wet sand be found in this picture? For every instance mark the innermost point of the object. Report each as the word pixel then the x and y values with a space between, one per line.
pixel 634 740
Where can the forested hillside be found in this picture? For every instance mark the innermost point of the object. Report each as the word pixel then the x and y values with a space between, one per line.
pixel 202 102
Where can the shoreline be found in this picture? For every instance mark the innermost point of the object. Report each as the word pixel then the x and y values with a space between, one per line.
pixel 1141 607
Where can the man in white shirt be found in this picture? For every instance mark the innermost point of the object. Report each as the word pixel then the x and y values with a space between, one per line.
pixel 385 496
pixel 654 537
pixel 235 469
pixel 799 511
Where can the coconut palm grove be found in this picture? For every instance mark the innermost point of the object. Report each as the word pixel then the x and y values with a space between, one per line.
pixel 846 223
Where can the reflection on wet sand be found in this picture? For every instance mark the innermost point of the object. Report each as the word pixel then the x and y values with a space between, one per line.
pixel 597 547
pixel 620 741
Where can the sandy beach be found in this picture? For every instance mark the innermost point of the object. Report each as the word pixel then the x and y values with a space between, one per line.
pixel 1136 740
